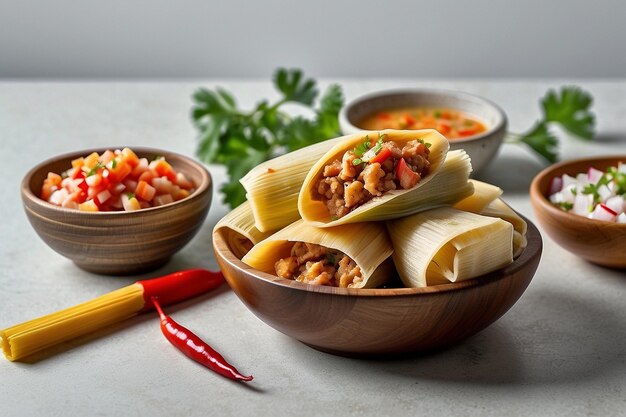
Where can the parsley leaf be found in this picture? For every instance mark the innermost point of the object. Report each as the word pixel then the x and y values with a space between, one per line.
pixel 568 108
pixel 241 140
pixel 542 141
pixel 363 147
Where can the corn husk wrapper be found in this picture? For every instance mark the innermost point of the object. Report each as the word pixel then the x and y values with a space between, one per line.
pixel 483 195
pixel 239 230
pixel 367 244
pixel 500 209
pixel 272 187
pixel 446 183
pixel 448 245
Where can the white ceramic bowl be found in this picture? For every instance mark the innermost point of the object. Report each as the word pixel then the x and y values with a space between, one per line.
pixel 482 148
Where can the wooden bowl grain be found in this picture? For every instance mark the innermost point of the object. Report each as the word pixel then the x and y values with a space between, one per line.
pixel 118 243
pixel 599 242
pixel 365 322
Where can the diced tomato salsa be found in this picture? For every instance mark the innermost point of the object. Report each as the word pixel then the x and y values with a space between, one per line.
pixel 116 181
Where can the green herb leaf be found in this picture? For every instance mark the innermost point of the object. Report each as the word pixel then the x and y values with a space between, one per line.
pixel 294 88
pixel 565 205
pixel 541 141
pixel 570 109
pixel 94 170
pixel 357 161
pixel 241 140
pixel 363 147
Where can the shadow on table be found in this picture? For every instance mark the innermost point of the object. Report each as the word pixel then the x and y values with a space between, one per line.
pixel 559 340
pixel 510 173
pixel 564 340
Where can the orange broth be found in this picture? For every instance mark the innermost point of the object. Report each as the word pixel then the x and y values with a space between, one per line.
pixel 453 124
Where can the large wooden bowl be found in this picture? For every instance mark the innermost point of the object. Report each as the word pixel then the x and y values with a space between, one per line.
pixel 363 322
pixel 118 242
pixel 597 241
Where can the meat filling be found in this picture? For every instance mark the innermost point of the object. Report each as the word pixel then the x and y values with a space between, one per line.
pixel 317 265
pixel 369 171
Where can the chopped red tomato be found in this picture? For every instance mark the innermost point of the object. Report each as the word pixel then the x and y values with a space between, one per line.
pixel 407 177
pixel 381 156
pixel 116 180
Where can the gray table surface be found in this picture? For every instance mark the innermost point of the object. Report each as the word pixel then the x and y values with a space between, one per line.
pixel 560 351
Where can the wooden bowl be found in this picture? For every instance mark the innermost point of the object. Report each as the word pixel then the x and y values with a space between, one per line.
pixel 364 322
pixel 482 148
pixel 118 242
pixel 597 241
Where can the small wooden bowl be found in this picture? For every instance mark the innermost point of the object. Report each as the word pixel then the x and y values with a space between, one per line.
pixel 600 242
pixel 120 242
pixel 364 322
pixel 482 148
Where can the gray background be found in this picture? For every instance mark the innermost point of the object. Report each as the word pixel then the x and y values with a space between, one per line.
pixel 327 38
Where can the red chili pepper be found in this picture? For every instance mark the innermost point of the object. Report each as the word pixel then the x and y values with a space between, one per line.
pixel 194 347
pixel 179 286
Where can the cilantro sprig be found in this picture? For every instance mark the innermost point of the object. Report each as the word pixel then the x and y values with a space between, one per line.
pixel 240 139
pixel 570 109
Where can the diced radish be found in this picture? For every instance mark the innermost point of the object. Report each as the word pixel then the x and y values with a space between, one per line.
pixel 582 204
pixel 182 180
pixel 567 180
pixel 93 180
pixel 162 185
pixel 163 199
pixel 556 198
pixel 70 204
pixel 594 175
pixel 602 212
pixel 621 167
pixel 556 185
pixel 118 189
pixel 616 204
pixel 103 196
pixel 568 194
pixel 66 182
pixel 582 179
pixel 58 196
pixel 621 218
pixel 130 203
pixel 604 192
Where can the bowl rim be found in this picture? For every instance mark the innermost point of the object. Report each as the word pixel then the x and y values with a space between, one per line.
pixel 543 202
pixel 500 124
pixel 27 193
pixel 532 250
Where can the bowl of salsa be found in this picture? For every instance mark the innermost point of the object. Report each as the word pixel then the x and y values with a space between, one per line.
pixel 468 121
